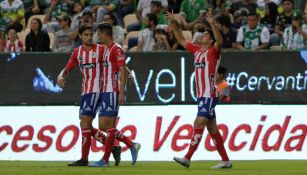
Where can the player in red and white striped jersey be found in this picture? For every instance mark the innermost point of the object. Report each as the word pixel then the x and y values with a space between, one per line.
pixel 113 94
pixel 88 58
pixel 206 61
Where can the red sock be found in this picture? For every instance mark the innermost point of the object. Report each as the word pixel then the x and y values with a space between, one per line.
pixel 122 138
pixel 219 144
pixel 86 142
pixel 197 135
pixel 109 144
pixel 98 135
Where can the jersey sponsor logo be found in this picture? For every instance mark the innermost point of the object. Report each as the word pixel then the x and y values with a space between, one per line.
pixel 88 66
pixel 105 64
pixel 200 65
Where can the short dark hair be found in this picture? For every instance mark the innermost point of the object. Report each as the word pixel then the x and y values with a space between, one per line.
pixel 106 28
pixel 252 14
pixel 222 70
pixel 211 34
pixel 224 20
pixel 152 17
pixel 112 18
pixel 84 28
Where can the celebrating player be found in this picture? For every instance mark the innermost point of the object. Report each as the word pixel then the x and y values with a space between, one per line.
pixel 206 61
pixel 87 57
pixel 113 94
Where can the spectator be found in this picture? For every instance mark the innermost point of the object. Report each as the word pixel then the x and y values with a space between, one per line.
pixel 253 35
pixel 146 39
pixel 174 6
pixel 87 19
pixel 284 20
pixel 239 19
pixel 77 12
pixel 13 13
pixel 37 40
pixel 228 33
pixel 109 6
pixel 157 9
pixel 222 85
pixel 118 31
pixel 161 40
pixel 12 43
pixel 143 9
pixel 271 14
pixel 32 7
pixel 218 7
pixel 192 11
pixel 57 8
pixel 248 6
pixel 127 7
pixel 295 36
pixel 173 43
pixel 2 32
pixel 62 40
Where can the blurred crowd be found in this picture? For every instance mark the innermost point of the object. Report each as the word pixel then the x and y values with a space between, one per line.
pixel 142 25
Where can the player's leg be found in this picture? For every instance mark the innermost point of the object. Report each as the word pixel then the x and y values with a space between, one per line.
pixel 108 112
pixel 203 116
pixel 87 114
pixel 219 143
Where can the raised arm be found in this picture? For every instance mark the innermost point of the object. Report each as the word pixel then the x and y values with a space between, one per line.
pixel 216 34
pixel 177 31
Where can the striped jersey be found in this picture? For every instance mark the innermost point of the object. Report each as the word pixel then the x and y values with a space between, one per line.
pixel 113 58
pixel 13 47
pixel 206 63
pixel 90 65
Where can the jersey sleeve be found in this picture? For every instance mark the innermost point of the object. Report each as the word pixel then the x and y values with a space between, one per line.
pixel 215 53
pixel 72 60
pixel 240 35
pixel 191 47
pixel 265 35
pixel 119 56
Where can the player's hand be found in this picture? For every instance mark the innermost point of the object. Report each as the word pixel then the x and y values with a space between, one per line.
pixel 130 78
pixel 210 17
pixel 121 98
pixel 61 81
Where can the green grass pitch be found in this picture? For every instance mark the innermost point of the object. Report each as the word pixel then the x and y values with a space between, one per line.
pixel 259 167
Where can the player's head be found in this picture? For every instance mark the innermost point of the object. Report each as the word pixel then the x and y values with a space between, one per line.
pixel 86 34
pixel 207 38
pixel 221 72
pixel 105 32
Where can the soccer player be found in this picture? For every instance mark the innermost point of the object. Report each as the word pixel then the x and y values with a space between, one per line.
pixel 113 94
pixel 88 58
pixel 206 61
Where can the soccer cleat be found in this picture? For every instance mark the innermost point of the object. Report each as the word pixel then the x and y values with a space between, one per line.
pixel 134 152
pixel 223 164
pixel 182 161
pixel 79 163
pixel 100 163
pixel 116 154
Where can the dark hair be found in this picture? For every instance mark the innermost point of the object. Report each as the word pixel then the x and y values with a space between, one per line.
pixel 40 25
pixel 291 1
pixel 224 20
pixel 211 34
pixel 273 8
pixel 73 6
pixel 252 14
pixel 106 28
pixel 152 17
pixel 8 30
pixel 159 31
pixel 222 70
pixel 83 28
pixel 112 18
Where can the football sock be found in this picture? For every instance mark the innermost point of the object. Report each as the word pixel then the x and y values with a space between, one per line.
pixel 219 144
pixel 86 142
pixel 98 135
pixel 109 143
pixel 197 135
pixel 122 138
